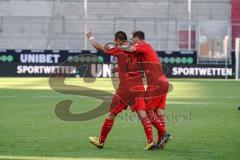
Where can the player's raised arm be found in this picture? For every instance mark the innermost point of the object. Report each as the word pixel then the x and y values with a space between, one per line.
pixel 108 48
pixel 94 42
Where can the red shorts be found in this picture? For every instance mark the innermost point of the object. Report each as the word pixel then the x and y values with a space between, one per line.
pixel 158 102
pixel 139 105
pixel 130 92
pixel 117 105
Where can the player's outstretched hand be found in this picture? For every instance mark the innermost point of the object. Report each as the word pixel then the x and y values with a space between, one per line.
pixel 89 34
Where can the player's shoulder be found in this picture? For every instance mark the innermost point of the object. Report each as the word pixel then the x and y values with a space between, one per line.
pixel 141 43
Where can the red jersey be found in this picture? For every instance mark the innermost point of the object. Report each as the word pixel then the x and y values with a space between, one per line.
pixel 148 53
pixel 152 66
pixel 131 85
pixel 127 64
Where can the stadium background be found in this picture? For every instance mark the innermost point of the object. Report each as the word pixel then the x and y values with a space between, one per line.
pixel 193 40
pixel 194 30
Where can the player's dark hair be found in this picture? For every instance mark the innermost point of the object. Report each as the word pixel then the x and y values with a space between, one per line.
pixel 122 36
pixel 139 34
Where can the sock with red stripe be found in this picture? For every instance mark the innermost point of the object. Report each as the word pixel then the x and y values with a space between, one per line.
pixel 157 124
pixel 106 128
pixel 147 126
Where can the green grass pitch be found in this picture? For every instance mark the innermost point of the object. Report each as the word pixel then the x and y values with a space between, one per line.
pixel 202 117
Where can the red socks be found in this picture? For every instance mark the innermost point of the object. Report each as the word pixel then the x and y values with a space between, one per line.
pixel 147 129
pixel 162 121
pixel 106 128
pixel 157 124
pixel 163 124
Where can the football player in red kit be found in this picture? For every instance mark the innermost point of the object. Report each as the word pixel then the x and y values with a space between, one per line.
pixel 157 85
pixel 128 92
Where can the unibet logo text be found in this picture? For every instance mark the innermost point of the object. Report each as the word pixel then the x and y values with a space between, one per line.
pixel 39 58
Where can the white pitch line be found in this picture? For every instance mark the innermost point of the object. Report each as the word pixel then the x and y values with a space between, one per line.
pixel 76 97
pixel 197 103
pixel 50 158
pixel 28 96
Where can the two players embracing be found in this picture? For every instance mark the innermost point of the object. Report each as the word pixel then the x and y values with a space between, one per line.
pixel 134 60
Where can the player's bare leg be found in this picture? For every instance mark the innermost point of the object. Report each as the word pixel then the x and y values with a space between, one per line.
pixel 165 138
pixel 106 128
pixel 147 129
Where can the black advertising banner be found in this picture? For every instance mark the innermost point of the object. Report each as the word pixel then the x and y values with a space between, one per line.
pixel 178 57
pixel 42 63
pixel 201 71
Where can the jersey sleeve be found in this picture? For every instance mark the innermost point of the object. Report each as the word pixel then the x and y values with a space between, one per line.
pixel 112 52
